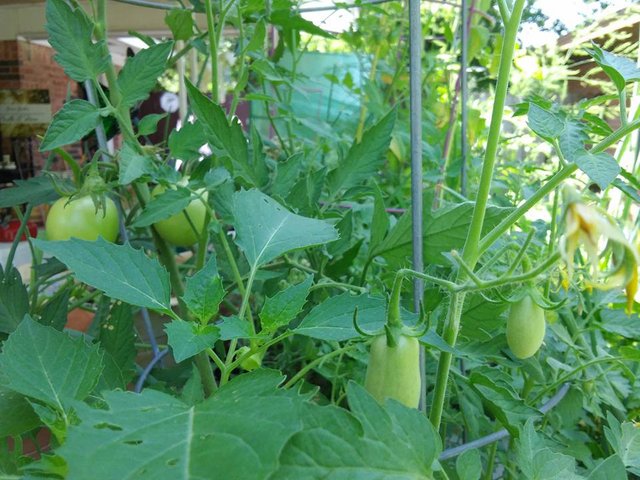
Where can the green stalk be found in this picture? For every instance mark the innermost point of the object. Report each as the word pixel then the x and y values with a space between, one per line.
pixel 470 253
pixel 213 48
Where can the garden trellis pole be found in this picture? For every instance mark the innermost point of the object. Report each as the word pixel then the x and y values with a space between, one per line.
pixel 415 102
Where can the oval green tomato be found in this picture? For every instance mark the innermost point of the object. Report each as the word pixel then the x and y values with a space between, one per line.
pixel 394 372
pixel 79 219
pixel 177 228
pixel 525 328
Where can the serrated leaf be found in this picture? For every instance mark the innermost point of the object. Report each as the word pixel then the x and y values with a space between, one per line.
pixel 140 72
pixel 73 121
pixel 602 168
pixel 618 322
pixel 610 468
pixel 233 327
pixel 237 433
pixel 119 271
pixel 284 306
pixel 265 229
pixel 226 137
pixel 287 174
pixel 620 70
pixel 35 190
pixel 625 441
pixel 186 143
pixel 132 165
pixel 70 34
pixel 545 123
pixel 148 125
pixel 538 462
pixel 16 415
pixel 333 318
pixel 54 312
pixel 190 338
pixel 204 291
pixel 247 430
pixel 370 442
pixel 117 337
pixel 163 206
pixel 379 220
pixel 193 391
pixel 290 20
pixel 14 300
pixel 43 363
pixel 364 158
pixel 180 22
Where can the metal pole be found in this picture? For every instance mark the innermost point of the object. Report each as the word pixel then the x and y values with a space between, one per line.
pixel 464 96
pixel 415 77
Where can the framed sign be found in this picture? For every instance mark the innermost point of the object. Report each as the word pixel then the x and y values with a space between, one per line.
pixel 24 113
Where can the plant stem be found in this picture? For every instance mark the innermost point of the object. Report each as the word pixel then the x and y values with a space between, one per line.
pixel 213 48
pixel 304 370
pixel 471 251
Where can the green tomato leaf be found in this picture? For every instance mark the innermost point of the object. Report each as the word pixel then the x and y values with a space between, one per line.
pixel 379 221
pixel 287 174
pixel 620 70
pixel 14 300
pixel 284 306
pixel 251 430
pixel 602 168
pixel 43 363
pixel 180 22
pixel 73 121
pixel 233 327
pixel 265 229
pixel 35 190
pixel 290 20
pixel 117 337
pixel 537 461
pixel 70 32
pixel 140 73
pixel 332 320
pixel 546 124
pixel 469 465
pixel 364 158
pixel 149 123
pixel 371 441
pixel 608 469
pixel 618 322
pixel 185 143
pixel 16 415
pixel 625 441
pixel 190 338
pixel 119 271
pixel 226 137
pixel 165 205
pixel 133 165
pixel 204 291
pixel 54 312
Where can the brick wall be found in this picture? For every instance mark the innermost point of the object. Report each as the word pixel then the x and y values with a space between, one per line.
pixel 25 65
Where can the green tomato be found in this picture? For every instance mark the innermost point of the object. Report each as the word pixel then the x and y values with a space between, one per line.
pixel 394 372
pixel 177 229
pixel 79 219
pixel 525 328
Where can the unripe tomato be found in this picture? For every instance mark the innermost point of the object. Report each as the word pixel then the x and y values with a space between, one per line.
pixel 79 219
pixel 394 372
pixel 525 328
pixel 177 229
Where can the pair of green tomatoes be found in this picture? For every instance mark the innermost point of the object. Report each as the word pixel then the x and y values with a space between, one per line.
pixel 79 218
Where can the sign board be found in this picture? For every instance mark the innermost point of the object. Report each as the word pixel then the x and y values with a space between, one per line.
pixel 24 113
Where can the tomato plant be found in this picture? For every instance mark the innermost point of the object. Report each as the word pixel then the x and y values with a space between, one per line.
pixel 79 217
pixel 270 341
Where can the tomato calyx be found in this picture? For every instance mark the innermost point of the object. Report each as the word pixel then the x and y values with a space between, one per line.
pixel 394 326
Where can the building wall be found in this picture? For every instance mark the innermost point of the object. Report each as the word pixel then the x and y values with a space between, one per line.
pixel 25 65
